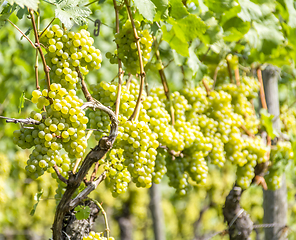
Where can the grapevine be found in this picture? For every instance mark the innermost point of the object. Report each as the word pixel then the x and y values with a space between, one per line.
pixel 179 131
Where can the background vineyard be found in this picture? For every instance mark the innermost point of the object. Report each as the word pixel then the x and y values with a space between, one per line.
pixel 265 32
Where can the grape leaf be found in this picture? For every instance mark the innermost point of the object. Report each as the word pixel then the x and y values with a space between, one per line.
pixel 193 61
pixel 82 212
pixel 32 4
pixel 146 9
pixel 5 13
pixel 21 12
pixel 266 120
pixel 180 46
pixel 249 11
pixel 36 198
pixel 71 11
pixel 161 9
pixel 292 13
pixel 235 29
pixel 188 28
pixel 178 10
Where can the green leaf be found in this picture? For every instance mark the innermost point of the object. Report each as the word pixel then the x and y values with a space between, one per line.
pixel 175 43
pixel 161 9
pixel 178 59
pixel 230 14
pixel 219 6
pixel 235 29
pixel 69 11
pixel 5 14
pixel 22 102
pixel 193 61
pixel 249 11
pixel 146 9
pixel 32 4
pixel 292 13
pixel 266 121
pixel 188 28
pixel 36 198
pixel 178 10
pixel 82 212
pixel 21 12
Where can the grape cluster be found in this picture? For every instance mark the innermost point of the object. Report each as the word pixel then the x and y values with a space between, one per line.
pixel 160 166
pixel 127 51
pixel 60 134
pixel 68 54
pixel 134 153
pixel 280 155
pixel 97 236
pixel 207 130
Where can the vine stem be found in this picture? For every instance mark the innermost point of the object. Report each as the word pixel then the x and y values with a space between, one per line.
pixel 229 70
pixel 128 81
pixel 24 35
pixel 247 131
pixel 37 44
pixel 142 71
pixel 262 93
pixel 79 159
pixel 105 218
pixel 263 103
pixel 46 27
pixel 84 89
pixel 236 75
pixel 206 86
pixel 120 72
pixel 164 81
pixel 215 76
pixel 36 57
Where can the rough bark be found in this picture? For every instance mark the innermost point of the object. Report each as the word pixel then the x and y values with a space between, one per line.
pixel 275 202
pixel 156 212
pixel 239 222
pixel 77 229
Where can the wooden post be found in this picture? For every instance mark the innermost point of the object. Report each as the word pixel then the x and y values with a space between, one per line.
pixel 156 212
pixel 275 202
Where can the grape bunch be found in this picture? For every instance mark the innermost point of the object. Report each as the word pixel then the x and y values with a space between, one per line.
pixel 60 134
pixel 69 54
pixel 127 48
pixel 96 236
pixel 160 168
pixel 280 155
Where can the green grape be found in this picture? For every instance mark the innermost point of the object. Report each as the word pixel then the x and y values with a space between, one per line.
pixel 96 236
pixel 127 51
pixel 65 57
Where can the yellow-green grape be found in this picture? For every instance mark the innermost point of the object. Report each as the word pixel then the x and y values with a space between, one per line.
pixel 245 174
pixel 217 154
pixel 197 168
pixel 69 52
pixel 97 236
pixel 255 152
pixel 139 145
pixel 160 122
pixel 178 178
pixel 273 179
pixel 280 155
pixel 127 51
pixel 197 97
pixel 117 174
pixel 59 136
pixel 160 166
